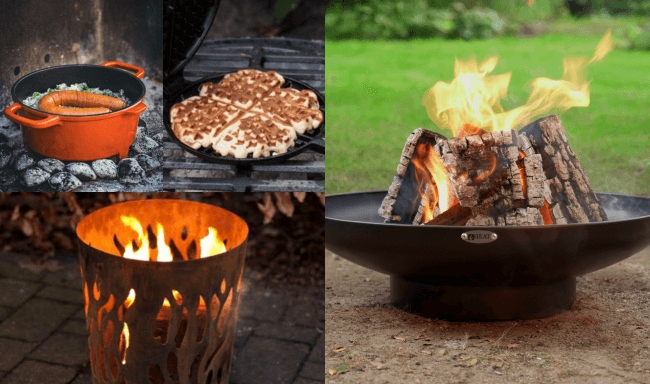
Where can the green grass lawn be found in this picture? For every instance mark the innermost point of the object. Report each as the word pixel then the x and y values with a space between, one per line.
pixel 374 92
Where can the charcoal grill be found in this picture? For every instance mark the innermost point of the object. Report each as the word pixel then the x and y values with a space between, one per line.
pixel 156 321
pixel 484 273
pixel 302 63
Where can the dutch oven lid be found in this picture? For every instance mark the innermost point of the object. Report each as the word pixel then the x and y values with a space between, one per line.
pixel 185 24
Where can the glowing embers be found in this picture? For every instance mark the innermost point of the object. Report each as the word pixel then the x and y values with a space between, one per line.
pixel 153 246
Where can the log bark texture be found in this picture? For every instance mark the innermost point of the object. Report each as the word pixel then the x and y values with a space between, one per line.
pixel 502 178
pixel 569 193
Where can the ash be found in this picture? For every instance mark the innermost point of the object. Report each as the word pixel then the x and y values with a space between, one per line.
pixel 24 170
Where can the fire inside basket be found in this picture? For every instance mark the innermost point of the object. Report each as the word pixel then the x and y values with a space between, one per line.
pixel 162 280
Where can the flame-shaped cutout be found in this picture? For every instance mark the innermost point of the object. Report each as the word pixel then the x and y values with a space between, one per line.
pixel 172 366
pixel 123 345
pixel 86 298
pixel 106 307
pixel 223 286
pixel 209 379
pixel 93 361
pixel 128 302
pixel 108 333
pixel 102 361
pixel 182 329
pixel 96 292
pixel 241 273
pixel 225 313
pixel 90 328
pixel 155 374
pixel 201 319
pixel 177 297
pixel 214 307
pixel 112 362
pixel 162 322
pixel 194 368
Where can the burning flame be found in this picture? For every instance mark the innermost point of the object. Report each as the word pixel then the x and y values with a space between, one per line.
pixel 429 166
pixel 473 97
pixel 210 245
pixel 125 334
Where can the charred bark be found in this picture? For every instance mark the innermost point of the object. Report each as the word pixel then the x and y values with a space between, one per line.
pixel 501 178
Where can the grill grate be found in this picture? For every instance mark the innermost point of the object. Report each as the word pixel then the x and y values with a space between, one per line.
pixel 302 60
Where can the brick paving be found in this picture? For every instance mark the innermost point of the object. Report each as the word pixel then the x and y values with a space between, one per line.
pixel 43 330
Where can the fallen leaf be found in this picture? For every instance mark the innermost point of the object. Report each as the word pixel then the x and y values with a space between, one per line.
pixel 417 380
pixel 26 227
pixel 442 352
pixel 268 208
pixel 491 341
pixel 15 213
pixel 332 372
pixel 300 196
pixel 377 365
pixel 284 203
pixel 321 196
pixel 426 352
pixel 398 338
pixel 590 320
pixel 639 327
pixel 472 362
pixel 338 350
pixel 512 346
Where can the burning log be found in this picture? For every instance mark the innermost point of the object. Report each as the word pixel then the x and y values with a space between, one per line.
pixel 568 182
pixel 500 178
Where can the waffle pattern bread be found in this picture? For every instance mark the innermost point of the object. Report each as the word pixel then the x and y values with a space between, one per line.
pixel 247 113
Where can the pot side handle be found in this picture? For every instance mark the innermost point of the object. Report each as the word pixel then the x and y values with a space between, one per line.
pixel 49 121
pixel 138 109
pixel 139 72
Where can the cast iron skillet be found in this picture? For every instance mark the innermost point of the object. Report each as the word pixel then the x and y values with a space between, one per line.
pixel 313 139
pixel 521 256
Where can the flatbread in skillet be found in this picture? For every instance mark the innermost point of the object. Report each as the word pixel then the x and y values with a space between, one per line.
pixel 247 113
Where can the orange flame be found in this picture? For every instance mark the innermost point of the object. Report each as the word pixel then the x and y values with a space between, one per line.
pixel 429 166
pixel 474 97
pixel 210 244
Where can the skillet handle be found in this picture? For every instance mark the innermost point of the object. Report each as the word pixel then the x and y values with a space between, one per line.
pixel 318 145
pixel 49 121
pixel 139 72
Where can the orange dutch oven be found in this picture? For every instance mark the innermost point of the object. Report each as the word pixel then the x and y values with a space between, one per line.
pixel 80 138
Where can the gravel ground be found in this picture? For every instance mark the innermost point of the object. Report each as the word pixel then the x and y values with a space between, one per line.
pixel 603 338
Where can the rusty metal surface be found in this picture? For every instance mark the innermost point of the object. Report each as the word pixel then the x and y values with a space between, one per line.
pixel 179 343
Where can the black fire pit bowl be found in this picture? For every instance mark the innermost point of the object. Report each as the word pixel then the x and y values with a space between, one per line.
pixel 484 273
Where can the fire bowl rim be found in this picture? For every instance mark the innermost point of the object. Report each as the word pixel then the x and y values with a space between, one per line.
pixel 155 264
pixel 492 227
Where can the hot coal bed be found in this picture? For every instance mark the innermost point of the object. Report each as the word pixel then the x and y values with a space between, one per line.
pixel 487 226
pixel 161 291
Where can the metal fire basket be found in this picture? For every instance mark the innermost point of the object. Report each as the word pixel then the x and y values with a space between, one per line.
pixel 155 321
